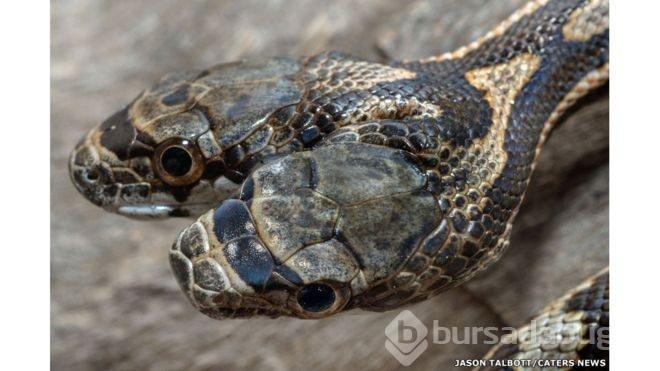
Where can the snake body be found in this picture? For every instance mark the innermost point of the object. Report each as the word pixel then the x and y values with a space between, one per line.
pixel 326 183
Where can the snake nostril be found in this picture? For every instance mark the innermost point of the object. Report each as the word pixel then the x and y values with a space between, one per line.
pixel 93 175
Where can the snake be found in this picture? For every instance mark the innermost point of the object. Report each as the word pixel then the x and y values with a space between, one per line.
pixel 327 183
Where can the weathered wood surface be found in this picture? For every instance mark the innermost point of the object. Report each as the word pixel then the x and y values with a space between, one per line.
pixel 115 304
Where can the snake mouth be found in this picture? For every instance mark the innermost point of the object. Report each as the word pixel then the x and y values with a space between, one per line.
pixel 160 211
pixel 150 211
pixel 118 188
pixel 232 280
pixel 132 200
pixel 137 200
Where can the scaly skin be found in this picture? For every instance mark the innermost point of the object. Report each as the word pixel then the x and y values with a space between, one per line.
pixel 328 183
pixel 572 331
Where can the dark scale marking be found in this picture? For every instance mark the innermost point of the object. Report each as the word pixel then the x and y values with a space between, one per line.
pixel 399 143
pixel 473 212
pixel 436 239
pixel 393 128
pixel 182 271
pixel 118 133
pixel 486 221
pixel 334 109
pixel 145 139
pixel 458 219
pixel 473 195
pixel 178 97
pixel 214 169
pixel 448 250
pixel 138 149
pixel 249 164
pixel 181 194
pixel 310 135
pixel 313 173
pixel 475 230
pixel 433 182
pixel 232 220
pixel 111 190
pixel 340 237
pixel 373 138
pixel 466 115
pixel 470 249
pixel 277 283
pixel 445 205
pixel 459 201
pixel 234 155
pixel 419 141
pixel 250 260
pixel 247 189
pixel 288 274
pixel 417 264
pixel 302 120
pixel 325 123
pixel 455 266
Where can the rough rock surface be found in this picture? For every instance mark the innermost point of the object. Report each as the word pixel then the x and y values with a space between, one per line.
pixel 115 304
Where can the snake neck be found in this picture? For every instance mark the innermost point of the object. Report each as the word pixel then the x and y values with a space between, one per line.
pixel 404 178
pixel 476 120
pixel 511 86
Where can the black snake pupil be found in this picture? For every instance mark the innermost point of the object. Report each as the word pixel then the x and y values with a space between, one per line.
pixel 316 297
pixel 93 175
pixel 176 161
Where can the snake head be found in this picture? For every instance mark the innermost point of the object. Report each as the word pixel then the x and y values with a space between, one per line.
pixel 186 143
pixel 303 237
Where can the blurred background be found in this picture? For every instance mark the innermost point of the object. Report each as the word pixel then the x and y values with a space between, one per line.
pixel 115 304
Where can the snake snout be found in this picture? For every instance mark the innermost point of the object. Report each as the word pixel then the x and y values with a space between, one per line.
pixel 221 264
pixel 199 275
pixel 91 177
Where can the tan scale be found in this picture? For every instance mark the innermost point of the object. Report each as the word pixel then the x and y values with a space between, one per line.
pixel 588 21
pixel 501 84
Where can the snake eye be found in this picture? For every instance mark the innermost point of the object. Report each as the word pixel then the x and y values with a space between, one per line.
pixel 178 162
pixel 316 297
pixel 321 299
